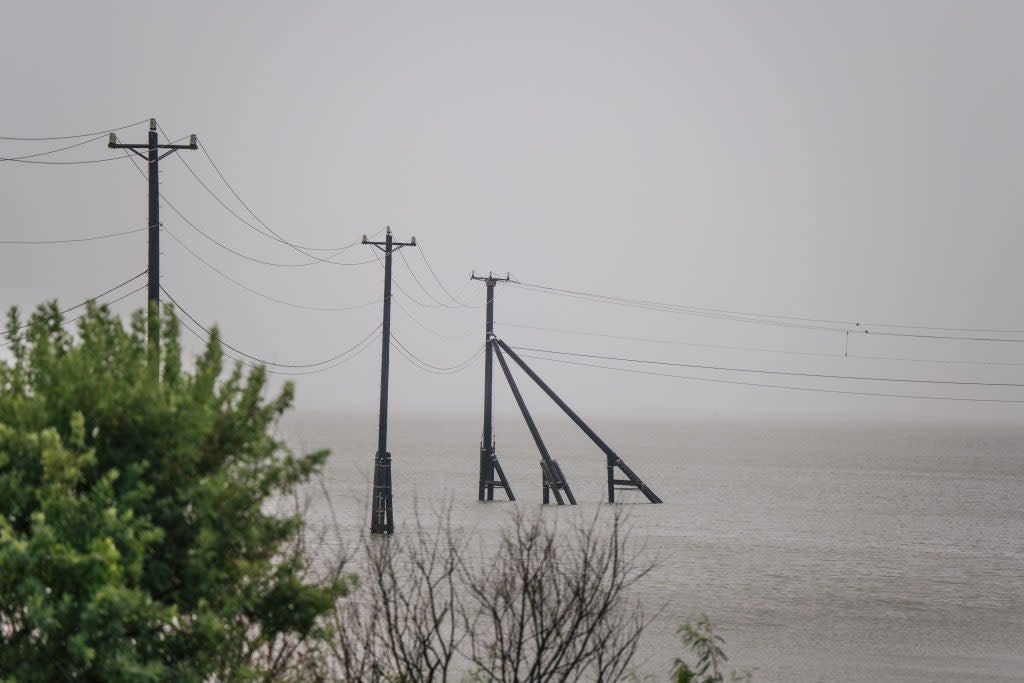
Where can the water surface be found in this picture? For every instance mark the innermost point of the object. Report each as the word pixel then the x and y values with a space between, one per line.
pixel 824 551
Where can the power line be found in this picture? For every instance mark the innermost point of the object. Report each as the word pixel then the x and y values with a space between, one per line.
pixel 76 239
pixel 225 247
pixel 770 372
pixel 440 304
pixel 402 289
pixel 429 329
pixel 936 360
pixel 259 293
pixel 678 342
pixel 757 349
pixel 80 135
pixel 778 386
pixel 670 308
pixel 52 151
pixel 64 163
pixel 273 236
pixel 209 158
pixel 29 158
pixel 941 336
pixel 263 360
pixel 61 312
pixel 290 373
pixel 67 322
pixel 220 244
pixel 436 369
pixel 766 318
pixel 451 296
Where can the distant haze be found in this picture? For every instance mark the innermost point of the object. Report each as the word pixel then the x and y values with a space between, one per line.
pixel 852 161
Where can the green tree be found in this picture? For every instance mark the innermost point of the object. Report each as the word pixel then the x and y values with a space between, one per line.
pixel 707 646
pixel 135 542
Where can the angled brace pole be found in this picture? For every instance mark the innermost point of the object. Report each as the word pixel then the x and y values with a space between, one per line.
pixel 613 459
pixel 553 478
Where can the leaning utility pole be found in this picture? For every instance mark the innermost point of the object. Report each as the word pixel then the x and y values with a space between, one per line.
pixel 489 465
pixel 153 162
pixel 382 517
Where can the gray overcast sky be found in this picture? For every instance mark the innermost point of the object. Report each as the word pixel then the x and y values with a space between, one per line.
pixel 852 161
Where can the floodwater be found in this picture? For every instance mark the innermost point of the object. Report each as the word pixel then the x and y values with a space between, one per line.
pixel 823 551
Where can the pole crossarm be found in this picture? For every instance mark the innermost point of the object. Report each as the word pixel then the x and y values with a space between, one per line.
pixel 193 143
pixel 631 480
pixel 492 278
pixel 389 246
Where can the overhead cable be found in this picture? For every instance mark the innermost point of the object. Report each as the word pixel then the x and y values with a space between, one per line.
pixel 228 185
pixel 757 349
pixel 437 369
pixel 76 239
pixel 225 246
pixel 80 135
pixel 408 314
pixel 766 318
pixel 440 304
pixel 64 163
pixel 272 236
pixel 769 372
pixel 440 284
pixel 398 286
pixel 292 373
pixel 259 293
pixel 12 330
pixel 778 386
pixel 263 360
pixel 53 151
pixel 677 310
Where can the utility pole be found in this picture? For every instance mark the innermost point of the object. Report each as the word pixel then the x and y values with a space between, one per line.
pixel 489 465
pixel 382 517
pixel 153 157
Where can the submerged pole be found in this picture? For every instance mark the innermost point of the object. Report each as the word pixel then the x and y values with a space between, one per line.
pixel 489 465
pixel 382 513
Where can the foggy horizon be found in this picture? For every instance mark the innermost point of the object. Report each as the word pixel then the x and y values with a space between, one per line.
pixel 822 161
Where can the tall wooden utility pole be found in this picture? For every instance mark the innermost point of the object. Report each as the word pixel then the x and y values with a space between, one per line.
pixel 153 157
pixel 489 465
pixel 382 517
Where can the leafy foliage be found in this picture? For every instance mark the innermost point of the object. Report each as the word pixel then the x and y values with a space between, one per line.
pixel 707 646
pixel 134 542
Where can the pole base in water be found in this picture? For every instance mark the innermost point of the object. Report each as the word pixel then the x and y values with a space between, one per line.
pixel 382 518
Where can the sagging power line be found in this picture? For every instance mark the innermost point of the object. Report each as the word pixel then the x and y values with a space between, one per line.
pixel 100 133
pixel 771 372
pixel 259 359
pixel 821 324
pixel 716 380
pixel 11 330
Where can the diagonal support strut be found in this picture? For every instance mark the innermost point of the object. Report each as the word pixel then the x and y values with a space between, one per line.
pixel 631 480
pixel 553 478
